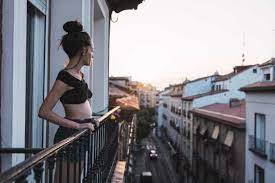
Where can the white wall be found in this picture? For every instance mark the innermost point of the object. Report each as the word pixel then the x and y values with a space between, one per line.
pixel 100 68
pixel 13 78
pixel 242 79
pixel 211 99
pixel 93 16
pixel 268 70
pixel 161 109
pixel 197 87
pixel 263 103
pixel 233 85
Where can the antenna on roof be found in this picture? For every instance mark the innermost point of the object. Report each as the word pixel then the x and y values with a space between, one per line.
pixel 243 55
pixel 273 44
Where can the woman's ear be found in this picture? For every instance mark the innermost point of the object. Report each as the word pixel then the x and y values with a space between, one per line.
pixel 84 51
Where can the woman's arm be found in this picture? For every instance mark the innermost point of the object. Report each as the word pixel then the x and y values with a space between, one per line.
pixel 50 101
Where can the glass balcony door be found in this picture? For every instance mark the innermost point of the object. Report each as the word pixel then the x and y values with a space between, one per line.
pixel 35 75
pixel 260 132
pixel 258 174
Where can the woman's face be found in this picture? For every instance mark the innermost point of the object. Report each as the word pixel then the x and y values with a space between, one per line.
pixel 88 56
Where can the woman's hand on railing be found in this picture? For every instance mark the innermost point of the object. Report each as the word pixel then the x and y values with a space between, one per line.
pixel 97 123
pixel 89 126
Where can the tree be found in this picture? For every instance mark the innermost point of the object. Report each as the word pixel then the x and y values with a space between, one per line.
pixel 145 117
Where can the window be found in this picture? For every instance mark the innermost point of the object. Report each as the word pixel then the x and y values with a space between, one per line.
pixel 260 126
pixel 267 77
pixel 259 132
pixel 35 75
pixel 218 87
pixel 254 70
pixel 258 174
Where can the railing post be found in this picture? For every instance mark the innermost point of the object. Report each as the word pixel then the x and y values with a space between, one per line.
pixel 85 140
pixel 38 169
pixel 22 178
pixel 60 159
pixel 51 161
pixel 101 147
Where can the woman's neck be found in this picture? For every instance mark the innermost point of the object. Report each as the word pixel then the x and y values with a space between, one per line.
pixel 74 65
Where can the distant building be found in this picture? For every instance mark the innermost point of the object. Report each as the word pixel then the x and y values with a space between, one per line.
pixel 147 95
pixel 174 115
pixel 122 81
pixel 163 110
pixel 219 143
pixel 260 126
pixel 210 90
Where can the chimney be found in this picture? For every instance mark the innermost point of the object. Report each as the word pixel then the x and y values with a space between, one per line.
pixel 234 102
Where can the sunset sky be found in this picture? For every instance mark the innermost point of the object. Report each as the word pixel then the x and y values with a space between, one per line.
pixel 163 42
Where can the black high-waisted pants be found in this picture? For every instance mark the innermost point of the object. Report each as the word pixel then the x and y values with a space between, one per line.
pixel 63 133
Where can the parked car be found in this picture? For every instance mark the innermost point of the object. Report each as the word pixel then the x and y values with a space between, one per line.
pixel 146 177
pixel 153 155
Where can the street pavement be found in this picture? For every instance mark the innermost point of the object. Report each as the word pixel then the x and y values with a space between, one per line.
pixel 162 168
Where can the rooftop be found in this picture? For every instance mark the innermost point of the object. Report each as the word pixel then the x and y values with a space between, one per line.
pixel 237 70
pixel 190 98
pixel 205 77
pixel 269 62
pixel 224 113
pixel 263 86
pixel 125 78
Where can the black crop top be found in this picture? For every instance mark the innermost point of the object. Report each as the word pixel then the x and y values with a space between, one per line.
pixel 79 94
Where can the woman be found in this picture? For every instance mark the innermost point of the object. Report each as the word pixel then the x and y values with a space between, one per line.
pixel 70 88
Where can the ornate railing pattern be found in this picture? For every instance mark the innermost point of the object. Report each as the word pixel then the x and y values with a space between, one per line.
pixel 96 154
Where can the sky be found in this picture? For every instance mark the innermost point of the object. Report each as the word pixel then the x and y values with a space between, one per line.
pixel 164 42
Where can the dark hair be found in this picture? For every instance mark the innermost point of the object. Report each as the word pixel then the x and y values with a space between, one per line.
pixel 75 39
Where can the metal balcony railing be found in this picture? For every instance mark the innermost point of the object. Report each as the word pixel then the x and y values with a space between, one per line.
pixel 258 146
pixel 83 157
pixel 272 152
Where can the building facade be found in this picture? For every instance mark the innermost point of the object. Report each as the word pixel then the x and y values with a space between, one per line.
pixel 163 110
pixel 260 138
pixel 219 143
pixel 215 89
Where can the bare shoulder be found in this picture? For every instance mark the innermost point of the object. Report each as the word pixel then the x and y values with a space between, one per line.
pixel 59 88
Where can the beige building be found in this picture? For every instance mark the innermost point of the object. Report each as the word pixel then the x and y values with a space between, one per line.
pixel 219 143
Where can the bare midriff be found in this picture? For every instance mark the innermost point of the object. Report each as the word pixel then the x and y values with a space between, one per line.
pixel 78 111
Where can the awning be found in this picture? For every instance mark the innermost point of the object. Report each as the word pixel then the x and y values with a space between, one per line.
pixel 215 133
pixel 128 103
pixel 119 171
pixel 229 139
pixel 195 128
pixel 203 129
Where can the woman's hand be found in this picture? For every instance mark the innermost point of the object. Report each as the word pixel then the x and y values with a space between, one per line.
pixel 97 123
pixel 89 126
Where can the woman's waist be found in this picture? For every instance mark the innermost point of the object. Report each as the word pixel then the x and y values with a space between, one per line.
pixel 78 113
pixel 81 120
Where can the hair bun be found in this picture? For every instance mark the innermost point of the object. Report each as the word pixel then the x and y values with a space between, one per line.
pixel 72 26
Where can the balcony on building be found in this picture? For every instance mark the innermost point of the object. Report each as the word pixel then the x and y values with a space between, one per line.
pixel 106 153
pixel 258 146
pixel 272 152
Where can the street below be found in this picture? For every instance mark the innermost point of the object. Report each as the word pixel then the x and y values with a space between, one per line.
pixel 161 168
